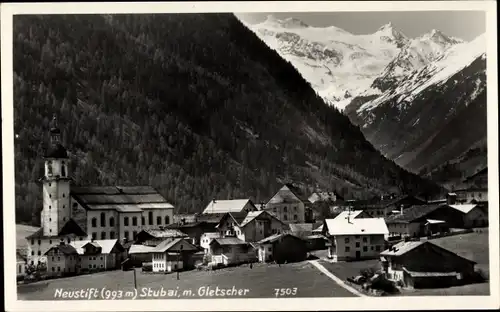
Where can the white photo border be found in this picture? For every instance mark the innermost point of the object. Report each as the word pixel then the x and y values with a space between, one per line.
pixel 290 304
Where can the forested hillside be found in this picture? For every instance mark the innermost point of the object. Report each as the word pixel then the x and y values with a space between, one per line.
pixel 195 105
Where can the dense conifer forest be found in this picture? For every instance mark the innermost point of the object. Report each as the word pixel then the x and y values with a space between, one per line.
pixel 194 105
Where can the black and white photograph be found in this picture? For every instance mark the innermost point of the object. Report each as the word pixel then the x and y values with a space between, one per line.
pixel 165 156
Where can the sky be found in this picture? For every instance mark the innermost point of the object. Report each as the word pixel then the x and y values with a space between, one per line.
pixel 466 25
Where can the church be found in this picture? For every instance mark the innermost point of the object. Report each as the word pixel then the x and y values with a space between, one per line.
pixel 90 213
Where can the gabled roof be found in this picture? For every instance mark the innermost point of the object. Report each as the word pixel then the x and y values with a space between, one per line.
pixel 288 194
pixel 20 257
pixel 258 215
pixel 169 244
pixel 71 227
pixel 402 248
pixel 138 249
pixel 480 172
pixel 414 213
pixel 465 208
pixel 119 198
pixel 106 245
pixel 275 237
pixel 227 241
pixel 164 233
pixel 237 217
pixel 63 248
pixel 223 206
pixel 356 226
pixel 301 227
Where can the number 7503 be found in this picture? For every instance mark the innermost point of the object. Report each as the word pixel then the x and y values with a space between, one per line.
pixel 281 292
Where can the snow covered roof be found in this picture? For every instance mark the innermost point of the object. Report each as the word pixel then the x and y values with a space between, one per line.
pixel 431 221
pixel 105 244
pixel 465 208
pixel 223 206
pixel 401 248
pixel 342 225
pixel 137 249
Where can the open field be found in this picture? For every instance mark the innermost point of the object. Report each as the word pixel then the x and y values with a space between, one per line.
pixel 473 246
pixel 21 232
pixel 261 281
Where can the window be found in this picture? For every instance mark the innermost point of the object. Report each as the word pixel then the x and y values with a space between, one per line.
pixel 285 217
pixel 111 221
pixel 365 240
pixel 347 249
pixel 64 195
pixel 103 219
pixel 94 222
pixel 125 221
pixel 134 221
pixel 377 248
pixel 50 207
pixel 102 266
pixel 53 269
pixel 143 221
pixel 167 220
pixel 52 258
pixel 94 235
pixel 373 248
pixel 134 234
pixel 50 195
pixel 50 230
pixel 90 266
pixel 39 242
pixel 295 217
pixel 269 249
pixel 101 257
pixel 32 241
pixel 357 244
pixel 365 248
pixel 95 266
pixel 103 235
pixel 150 217
pixel 64 219
pixel 39 253
pixel 158 220
pixel 125 234
pixel 357 236
pixel 58 258
pixel 32 252
pixel 285 209
pixel 63 170
pixel 347 240
pixel 49 168
pixel 111 235
pixel 50 242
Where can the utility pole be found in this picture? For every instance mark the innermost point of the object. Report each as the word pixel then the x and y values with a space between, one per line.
pixel 135 279
pixel 178 262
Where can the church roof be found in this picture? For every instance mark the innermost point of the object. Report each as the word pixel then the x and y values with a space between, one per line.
pixel 56 151
pixel 120 198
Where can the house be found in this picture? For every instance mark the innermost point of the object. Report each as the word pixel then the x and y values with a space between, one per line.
pixel 386 205
pixel 301 229
pixel 39 243
pixel 355 237
pixel 324 197
pixel 99 255
pixel 252 226
pixel 230 251
pixel 20 265
pixel 474 215
pixel 99 212
pixel 412 221
pixel 139 254
pixel 153 237
pixel 472 194
pixel 478 179
pixel 173 255
pixel 282 248
pixel 206 223
pixel 62 260
pixel 233 205
pixel 185 218
pixel 206 238
pixel 288 204
pixel 422 264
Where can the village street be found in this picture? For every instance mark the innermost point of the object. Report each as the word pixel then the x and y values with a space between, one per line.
pixel 261 280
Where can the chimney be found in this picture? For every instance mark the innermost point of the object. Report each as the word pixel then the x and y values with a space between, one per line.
pixel 451 198
pixel 92 239
pixel 402 207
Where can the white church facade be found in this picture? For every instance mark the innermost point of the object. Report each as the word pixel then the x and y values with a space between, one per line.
pixel 97 212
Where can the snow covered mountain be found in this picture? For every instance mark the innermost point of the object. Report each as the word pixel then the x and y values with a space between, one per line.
pixel 431 114
pixel 411 96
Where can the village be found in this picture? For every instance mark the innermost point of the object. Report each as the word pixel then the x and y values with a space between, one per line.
pixel 91 230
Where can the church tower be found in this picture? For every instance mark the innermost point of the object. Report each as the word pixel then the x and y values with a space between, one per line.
pixel 56 185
